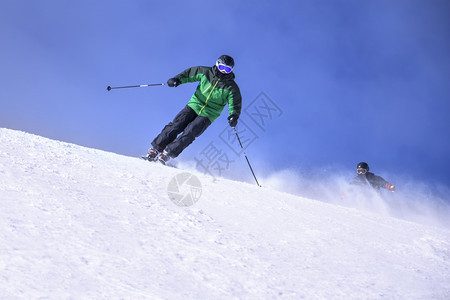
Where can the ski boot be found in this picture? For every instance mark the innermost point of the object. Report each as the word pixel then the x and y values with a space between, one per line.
pixel 151 155
pixel 164 157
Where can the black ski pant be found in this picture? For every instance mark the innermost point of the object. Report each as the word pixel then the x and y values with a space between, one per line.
pixel 186 122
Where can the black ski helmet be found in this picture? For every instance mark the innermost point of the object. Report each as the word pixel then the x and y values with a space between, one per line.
pixel 226 60
pixel 362 165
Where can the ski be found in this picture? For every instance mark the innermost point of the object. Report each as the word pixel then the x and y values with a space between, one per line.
pixel 160 161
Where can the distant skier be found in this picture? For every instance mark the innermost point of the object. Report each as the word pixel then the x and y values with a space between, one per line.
pixel 366 178
pixel 216 88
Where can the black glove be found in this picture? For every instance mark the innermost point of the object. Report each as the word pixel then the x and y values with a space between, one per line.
pixel 232 120
pixel 173 82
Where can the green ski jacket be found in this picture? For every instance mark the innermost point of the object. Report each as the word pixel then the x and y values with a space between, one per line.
pixel 214 91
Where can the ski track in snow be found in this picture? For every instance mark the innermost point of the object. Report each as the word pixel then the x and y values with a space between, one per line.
pixel 87 224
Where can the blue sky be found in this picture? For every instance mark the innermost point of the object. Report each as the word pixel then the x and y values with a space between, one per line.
pixel 349 81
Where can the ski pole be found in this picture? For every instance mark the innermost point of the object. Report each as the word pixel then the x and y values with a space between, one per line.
pixel 245 154
pixel 133 86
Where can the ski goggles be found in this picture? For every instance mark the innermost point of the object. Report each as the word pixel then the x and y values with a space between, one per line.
pixel 224 68
pixel 361 171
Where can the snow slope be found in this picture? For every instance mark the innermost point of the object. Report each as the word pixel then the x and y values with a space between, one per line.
pixel 86 224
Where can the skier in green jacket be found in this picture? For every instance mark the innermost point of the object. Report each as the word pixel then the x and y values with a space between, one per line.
pixel 216 88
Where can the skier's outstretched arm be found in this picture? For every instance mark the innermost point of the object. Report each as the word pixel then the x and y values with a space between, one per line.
pixel 385 184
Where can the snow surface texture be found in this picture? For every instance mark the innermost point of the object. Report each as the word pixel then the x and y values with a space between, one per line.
pixel 82 223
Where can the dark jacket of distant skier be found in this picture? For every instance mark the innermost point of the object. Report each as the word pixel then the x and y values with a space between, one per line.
pixel 216 89
pixel 366 178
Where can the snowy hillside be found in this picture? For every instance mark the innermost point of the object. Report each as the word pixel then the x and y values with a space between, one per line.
pixel 86 224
